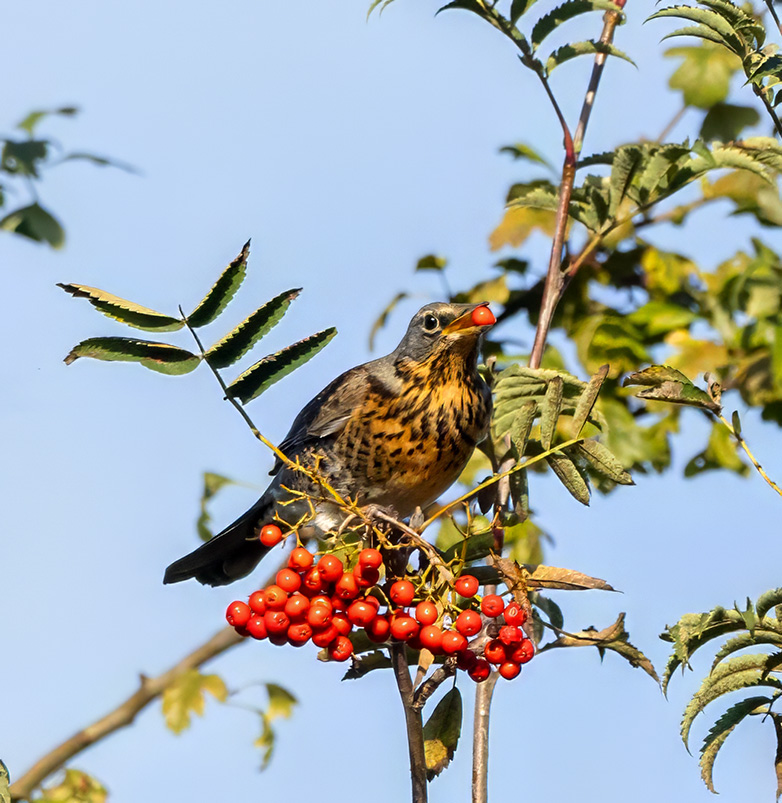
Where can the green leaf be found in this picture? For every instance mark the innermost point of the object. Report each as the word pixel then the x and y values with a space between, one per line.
pixel 223 290
pixel 124 311
pixel 5 782
pixel 570 476
pixel 467 5
pixel 666 384
pixel 744 640
pixel 628 161
pixel 281 702
pixel 657 318
pixel 742 672
pixel 240 340
pixel 265 742
pixel 366 663
pixel 160 357
pixel 212 484
pixel 522 426
pixel 704 75
pixel 720 452
pixel 550 410
pixel 518 8
pixel 35 223
pixel 590 47
pixel 768 600
pixel 548 23
pixel 603 461
pixel 31 121
pixel 185 696
pixel 21 158
pixel 725 122
pixel 521 151
pixel 473 547
pixel 722 728
pixel 381 320
pixel 550 608
pixel 441 733
pixel 706 18
pixel 586 401
pixel 76 787
pixel 261 376
pixel 431 262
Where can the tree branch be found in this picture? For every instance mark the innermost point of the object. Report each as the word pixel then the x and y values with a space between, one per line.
pixel 413 721
pixel 480 764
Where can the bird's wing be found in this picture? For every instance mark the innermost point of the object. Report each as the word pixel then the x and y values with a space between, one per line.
pixel 327 413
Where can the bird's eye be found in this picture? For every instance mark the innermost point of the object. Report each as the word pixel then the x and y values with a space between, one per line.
pixel 430 323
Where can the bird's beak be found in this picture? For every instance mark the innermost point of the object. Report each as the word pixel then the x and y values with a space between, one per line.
pixel 478 317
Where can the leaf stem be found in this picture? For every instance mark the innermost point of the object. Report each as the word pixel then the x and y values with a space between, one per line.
pixel 743 444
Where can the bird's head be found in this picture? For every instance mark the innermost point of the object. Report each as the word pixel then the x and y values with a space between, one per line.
pixel 441 328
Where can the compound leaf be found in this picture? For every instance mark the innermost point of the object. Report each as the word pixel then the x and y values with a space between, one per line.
pixel 160 357
pixel 222 291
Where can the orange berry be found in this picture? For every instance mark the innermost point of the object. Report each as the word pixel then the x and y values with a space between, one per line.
pixel 300 559
pixel 468 623
pixel 483 316
pixel 401 592
pixel 467 585
pixel 271 535
pixel 492 605
pixel 426 612
pixel 370 559
pixel 238 614
pixel 341 649
pixel 509 670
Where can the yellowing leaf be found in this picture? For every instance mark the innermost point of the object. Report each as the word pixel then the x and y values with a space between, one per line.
pixel 518 223
pixel 185 696
pixel 281 702
pixel 76 787
pixel 704 75
pixel 441 733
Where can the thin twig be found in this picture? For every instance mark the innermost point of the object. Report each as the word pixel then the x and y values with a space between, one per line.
pixel 770 7
pixel 413 722
pixel 480 765
pixel 769 108
pixel 743 444
pixel 433 682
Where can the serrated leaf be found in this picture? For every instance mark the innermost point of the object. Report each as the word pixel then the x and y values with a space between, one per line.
pixel 441 733
pixel 186 696
pixel 603 461
pixel 706 18
pixel 261 376
pixel 548 23
pixel 589 47
pixel 160 357
pixel 518 8
pixel 586 401
pixel 720 731
pixel 669 385
pixel 222 291
pixel 240 340
pixel 569 475
pixel 744 640
pixel 369 662
pixel 768 600
pixel 281 702
pixel 124 311
pixel 742 672
pixel 467 5
pixel 627 163
pixel 35 223
pixel 550 410
pixel 380 321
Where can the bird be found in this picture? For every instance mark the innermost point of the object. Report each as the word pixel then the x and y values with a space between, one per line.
pixel 394 433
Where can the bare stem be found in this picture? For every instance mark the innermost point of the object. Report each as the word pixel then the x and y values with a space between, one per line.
pixel 122 716
pixel 743 444
pixel 769 108
pixel 480 764
pixel 770 7
pixel 413 721
pixel 432 683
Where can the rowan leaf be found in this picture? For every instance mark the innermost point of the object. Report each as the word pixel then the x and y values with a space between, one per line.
pixel 124 311
pixel 281 702
pixel 522 426
pixel 548 23
pixel 564 579
pixel 160 357
pixel 705 18
pixel 35 223
pixel 589 47
pixel 586 401
pixel 705 72
pixel 664 383
pixel 212 484
pixel 550 410
pixel 222 291
pixel 186 696
pixel 75 787
pixel 261 376
pixel 603 461
pixel 441 733
pixel 240 340
pixel 431 262
pixel 767 601
pixel 570 476
pixel 366 663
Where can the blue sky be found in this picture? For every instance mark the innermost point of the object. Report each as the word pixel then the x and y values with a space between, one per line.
pixel 346 149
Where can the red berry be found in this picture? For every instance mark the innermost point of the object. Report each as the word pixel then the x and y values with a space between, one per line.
pixel 312 582
pixel 323 636
pixel 319 615
pixel 258 602
pixel 238 614
pixel 401 592
pixel 342 623
pixel 483 316
pixel 366 576
pixel 403 628
pixel 431 637
pixel 379 629
pixel 299 634
pixel 514 614
pixel 300 559
pixel 467 585
pixel 361 613
pixel 453 642
pixel 288 580
pixel 330 568
pixel 277 623
pixel 510 635
pixel 466 659
pixel 426 612
pixel 370 559
pixel 275 598
pixel 278 639
pixel 479 671
pixel 492 605
pixel 523 652
pixel 271 535
pixel 347 586
pixel 341 649
pixel 373 601
pixel 468 623
pixel 296 607
pixel 494 652
pixel 256 627
pixel 339 604
pixel 509 670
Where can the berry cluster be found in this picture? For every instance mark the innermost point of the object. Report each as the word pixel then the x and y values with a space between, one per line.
pixel 322 602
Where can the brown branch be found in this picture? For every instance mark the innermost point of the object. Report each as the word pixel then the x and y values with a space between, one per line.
pixel 480 764
pixel 431 684
pixel 413 721
pixel 123 715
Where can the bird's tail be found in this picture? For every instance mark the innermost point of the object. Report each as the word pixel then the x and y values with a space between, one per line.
pixel 231 554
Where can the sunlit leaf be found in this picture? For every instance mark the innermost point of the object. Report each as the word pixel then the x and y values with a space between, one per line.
pixel 186 696
pixel 550 22
pixel 602 460
pixel 160 357
pixel 124 311
pixel 75 787
pixel 5 781
pixel 589 47
pixel 704 76
pixel 570 476
pixel 564 579
pixel 663 383
pixel 281 702
pixel 441 733
pixel 35 223
pixel 767 601
pixel 266 372
pixel 720 453
pixel 222 291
